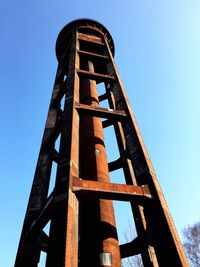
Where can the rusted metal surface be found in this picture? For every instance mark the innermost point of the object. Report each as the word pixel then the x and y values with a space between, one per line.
pixel 28 250
pixel 93 56
pixel 100 112
pixel 89 38
pixel 89 27
pixel 95 76
pixel 163 237
pixel 80 210
pixel 98 230
pixel 63 247
pixel 102 190
pixel 137 210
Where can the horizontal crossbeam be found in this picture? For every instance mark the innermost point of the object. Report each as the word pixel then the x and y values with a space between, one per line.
pixel 55 155
pixel 107 123
pixel 83 109
pixel 94 56
pixel 103 97
pixel 89 38
pixel 135 247
pixel 112 191
pixel 95 76
pixel 115 165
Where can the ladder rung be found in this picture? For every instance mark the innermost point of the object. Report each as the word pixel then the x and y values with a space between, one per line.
pixel 83 109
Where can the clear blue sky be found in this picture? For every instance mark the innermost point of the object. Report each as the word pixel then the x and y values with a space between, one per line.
pixel 158 57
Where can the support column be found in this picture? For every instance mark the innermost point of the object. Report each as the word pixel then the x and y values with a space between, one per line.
pixel 98 235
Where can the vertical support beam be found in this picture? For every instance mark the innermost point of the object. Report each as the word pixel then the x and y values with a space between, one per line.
pixel 29 250
pixel 63 237
pixel 147 252
pixel 160 226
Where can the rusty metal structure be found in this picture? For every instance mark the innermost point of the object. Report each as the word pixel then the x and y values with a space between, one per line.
pixel 79 208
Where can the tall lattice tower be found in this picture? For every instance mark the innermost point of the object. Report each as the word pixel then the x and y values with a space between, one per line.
pixel 79 208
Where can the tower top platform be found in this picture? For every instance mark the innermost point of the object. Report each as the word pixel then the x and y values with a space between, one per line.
pixel 83 25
